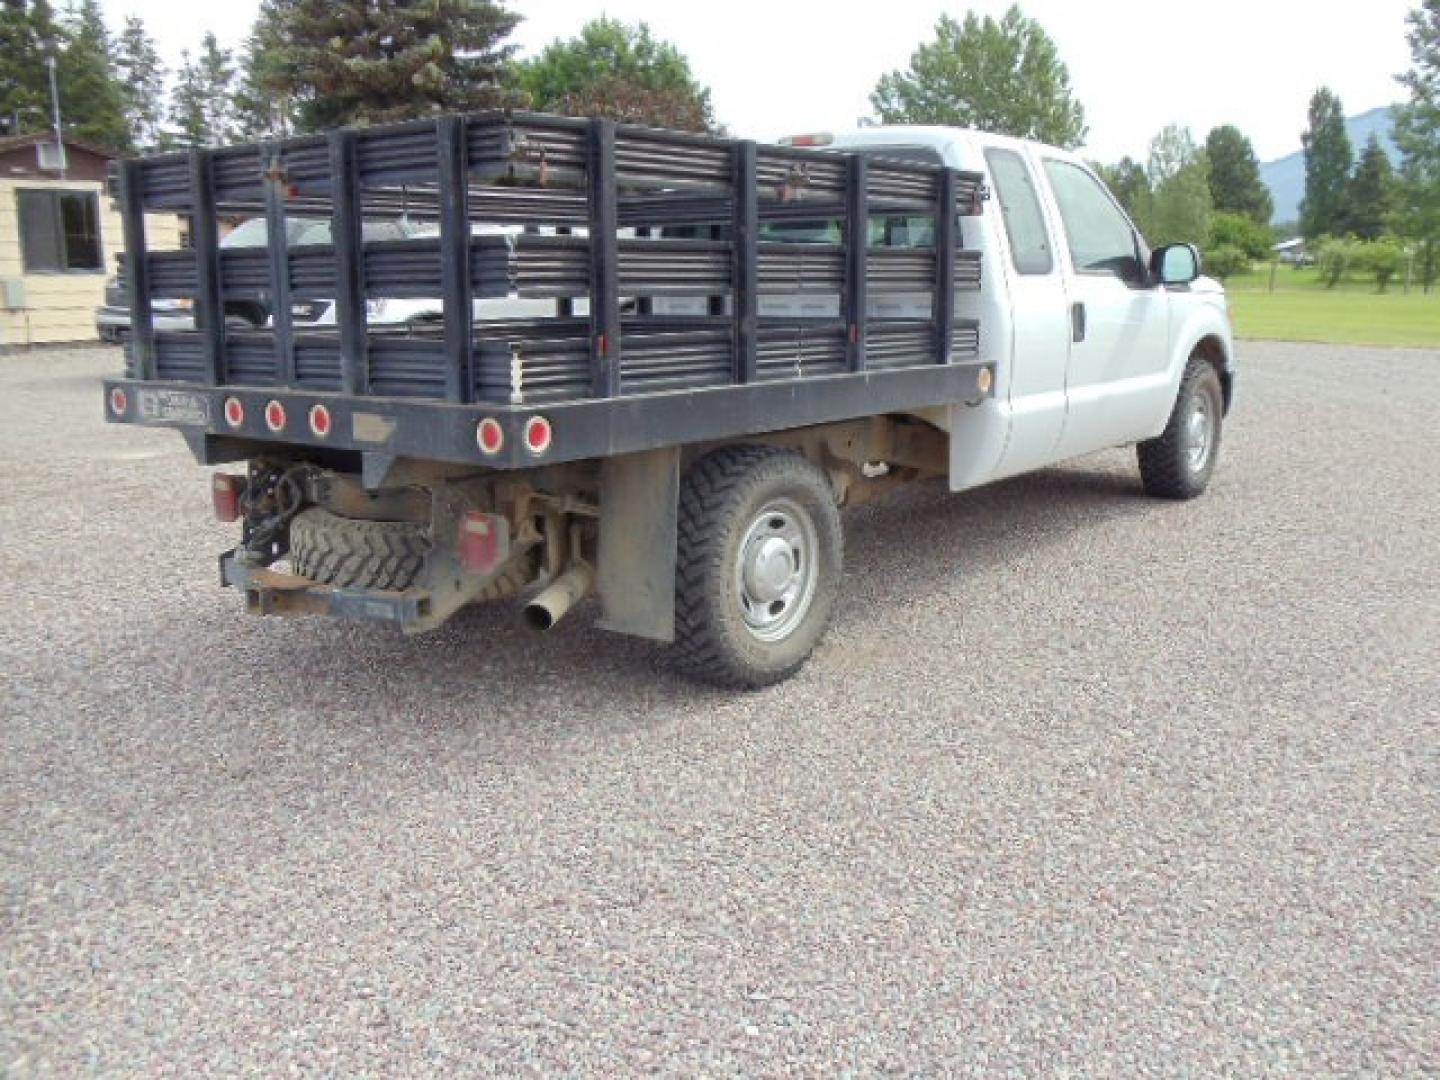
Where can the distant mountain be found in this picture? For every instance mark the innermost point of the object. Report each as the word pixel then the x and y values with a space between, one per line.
pixel 1285 177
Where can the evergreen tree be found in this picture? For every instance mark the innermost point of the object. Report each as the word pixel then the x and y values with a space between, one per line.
pixel 29 35
pixel 141 74
pixel 1417 131
pixel 263 109
pixel 1370 193
pixel 1235 182
pixel 621 72
pixel 1327 167
pixel 217 79
pixel 1005 77
pixel 189 124
pixel 92 103
pixel 202 104
pixel 352 61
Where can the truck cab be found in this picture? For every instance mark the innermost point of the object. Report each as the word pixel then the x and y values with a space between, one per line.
pixel 1088 339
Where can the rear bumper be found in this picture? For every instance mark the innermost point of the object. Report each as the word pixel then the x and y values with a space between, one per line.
pixel 271 592
pixel 430 430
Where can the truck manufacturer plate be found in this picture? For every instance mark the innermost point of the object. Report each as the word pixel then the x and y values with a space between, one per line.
pixel 174 406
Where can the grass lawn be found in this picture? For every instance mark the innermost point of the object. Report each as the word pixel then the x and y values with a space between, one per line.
pixel 1352 313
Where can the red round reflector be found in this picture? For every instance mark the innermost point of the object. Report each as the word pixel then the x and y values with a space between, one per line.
pixel 275 416
pixel 490 436
pixel 537 434
pixel 119 401
pixel 234 412
pixel 320 420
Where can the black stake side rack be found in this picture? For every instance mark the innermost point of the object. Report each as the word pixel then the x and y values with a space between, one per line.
pixel 616 215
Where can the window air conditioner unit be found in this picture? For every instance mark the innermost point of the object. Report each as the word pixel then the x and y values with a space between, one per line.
pixel 51 156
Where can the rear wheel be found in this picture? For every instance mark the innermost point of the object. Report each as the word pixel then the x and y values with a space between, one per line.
pixel 1179 463
pixel 760 556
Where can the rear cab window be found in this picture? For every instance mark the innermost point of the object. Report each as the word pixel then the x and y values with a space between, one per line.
pixel 1030 250
pixel 887 231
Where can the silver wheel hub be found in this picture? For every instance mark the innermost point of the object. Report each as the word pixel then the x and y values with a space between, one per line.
pixel 775 573
pixel 769 569
pixel 1199 432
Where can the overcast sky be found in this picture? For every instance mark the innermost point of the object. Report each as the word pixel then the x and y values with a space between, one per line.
pixel 778 67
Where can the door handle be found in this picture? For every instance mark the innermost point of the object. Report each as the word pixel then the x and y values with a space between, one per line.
pixel 1077 321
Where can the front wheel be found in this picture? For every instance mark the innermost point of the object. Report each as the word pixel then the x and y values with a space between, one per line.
pixel 1179 463
pixel 760 556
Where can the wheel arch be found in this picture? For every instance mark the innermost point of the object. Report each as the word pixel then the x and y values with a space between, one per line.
pixel 1213 348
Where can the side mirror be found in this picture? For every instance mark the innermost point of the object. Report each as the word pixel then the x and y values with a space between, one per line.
pixel 1175 264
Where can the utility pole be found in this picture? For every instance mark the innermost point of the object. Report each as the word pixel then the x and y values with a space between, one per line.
pixel 55 114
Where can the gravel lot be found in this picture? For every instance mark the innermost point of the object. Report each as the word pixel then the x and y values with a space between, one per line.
pixel 1079 782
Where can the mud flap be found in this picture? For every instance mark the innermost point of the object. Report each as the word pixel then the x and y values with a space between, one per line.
pixel 639 508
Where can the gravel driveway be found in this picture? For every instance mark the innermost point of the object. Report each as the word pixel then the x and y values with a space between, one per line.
pixel 1079 782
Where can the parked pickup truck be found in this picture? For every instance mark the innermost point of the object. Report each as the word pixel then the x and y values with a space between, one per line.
pixel 804 326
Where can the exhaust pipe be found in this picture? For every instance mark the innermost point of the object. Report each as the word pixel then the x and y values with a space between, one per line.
pixel 550 606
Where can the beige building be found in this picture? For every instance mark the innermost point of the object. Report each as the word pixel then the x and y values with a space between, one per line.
pixel 59 235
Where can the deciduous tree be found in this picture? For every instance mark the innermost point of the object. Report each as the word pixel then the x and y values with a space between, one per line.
pixel 621 72
pixel 1231 229
pixel 1004 76
pixel 1179 177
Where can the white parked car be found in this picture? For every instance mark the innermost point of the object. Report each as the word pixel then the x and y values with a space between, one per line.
pixel 112 319
pixel 428 312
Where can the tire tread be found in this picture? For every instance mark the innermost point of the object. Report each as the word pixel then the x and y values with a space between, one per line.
pixel 357 553
pixel 714 490
pixel 1164 472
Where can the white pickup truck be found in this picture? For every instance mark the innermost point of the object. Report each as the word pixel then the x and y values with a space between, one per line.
pixel 1095 343
pixel 743 339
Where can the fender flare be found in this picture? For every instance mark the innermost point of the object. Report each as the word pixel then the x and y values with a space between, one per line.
pixel 1205 331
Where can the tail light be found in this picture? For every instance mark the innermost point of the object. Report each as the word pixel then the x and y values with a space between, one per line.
pixel 225 492
pixel 275 416
pixel 234 412
pixel 320 420
pixel 490 436
pixel 484 541
pixel 538 434
pixel 119 401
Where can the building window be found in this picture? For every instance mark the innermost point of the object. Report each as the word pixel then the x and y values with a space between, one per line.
pixel 60 231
